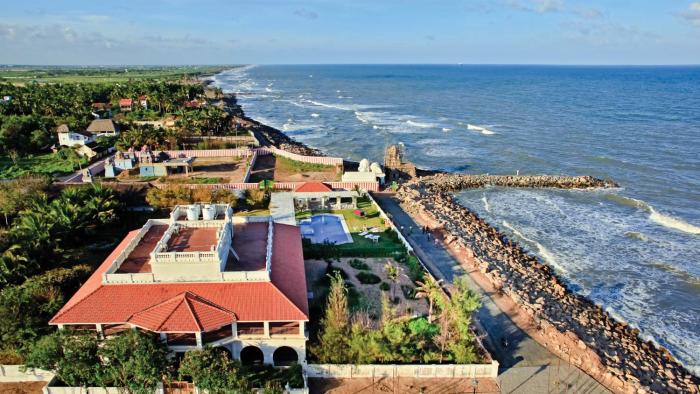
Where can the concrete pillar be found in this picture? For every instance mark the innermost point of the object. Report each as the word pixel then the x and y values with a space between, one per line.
pixel 267 328
pixel 337 202
pixel 302 328
pixel 61 326
pixel 100 331
pixel 354 202
pixel 164 337
pixel 198 335
pixel 234 330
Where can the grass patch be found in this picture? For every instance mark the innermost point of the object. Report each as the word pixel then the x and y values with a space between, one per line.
pixel 254 212
pixel 288 165
pixel 63 162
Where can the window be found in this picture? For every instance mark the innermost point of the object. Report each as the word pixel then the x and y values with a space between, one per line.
pixel 218 334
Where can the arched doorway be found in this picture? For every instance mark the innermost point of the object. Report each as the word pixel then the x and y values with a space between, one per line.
pixel 285 356
pixel 252 355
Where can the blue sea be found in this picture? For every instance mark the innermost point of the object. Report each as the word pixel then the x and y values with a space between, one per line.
pixel 634 250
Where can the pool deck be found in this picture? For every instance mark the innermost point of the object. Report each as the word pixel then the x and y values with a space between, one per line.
pixel 282 208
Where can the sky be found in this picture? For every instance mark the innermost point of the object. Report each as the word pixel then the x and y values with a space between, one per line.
pixel 351 31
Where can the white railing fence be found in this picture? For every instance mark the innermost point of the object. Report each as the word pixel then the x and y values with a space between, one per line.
pixel 349 371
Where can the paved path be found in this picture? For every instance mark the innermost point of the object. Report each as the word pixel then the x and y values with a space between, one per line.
pixel 95 168
pixel 526 366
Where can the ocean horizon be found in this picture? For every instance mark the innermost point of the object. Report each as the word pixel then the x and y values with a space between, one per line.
pixel 632 250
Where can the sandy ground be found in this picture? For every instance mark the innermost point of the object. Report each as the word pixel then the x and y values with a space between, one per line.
pixel 22 387
pixel 315 269
pixel 402 385
pixel 231 169
pixel 265 168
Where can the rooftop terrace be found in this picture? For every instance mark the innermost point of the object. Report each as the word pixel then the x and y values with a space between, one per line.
pixel 201 248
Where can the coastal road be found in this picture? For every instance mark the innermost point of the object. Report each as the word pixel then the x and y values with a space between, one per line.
pixel 525 365
pixel 95 168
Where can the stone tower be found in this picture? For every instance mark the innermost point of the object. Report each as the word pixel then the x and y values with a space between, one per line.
pixel 395 166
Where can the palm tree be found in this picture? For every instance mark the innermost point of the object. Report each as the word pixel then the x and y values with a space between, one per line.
pixel 392 273
pixel 430 289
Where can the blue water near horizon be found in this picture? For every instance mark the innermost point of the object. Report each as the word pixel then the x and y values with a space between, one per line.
pixel 633 250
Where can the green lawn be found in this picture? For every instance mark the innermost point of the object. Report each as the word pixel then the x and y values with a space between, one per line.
pixel 288 165
pixel 45 164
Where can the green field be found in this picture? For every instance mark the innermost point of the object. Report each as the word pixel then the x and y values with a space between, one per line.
pixel 45 164
pixel 103 74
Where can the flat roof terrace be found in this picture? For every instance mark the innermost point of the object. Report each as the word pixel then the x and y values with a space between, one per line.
pixel 138 260
pixel 250 243
pixel 193 239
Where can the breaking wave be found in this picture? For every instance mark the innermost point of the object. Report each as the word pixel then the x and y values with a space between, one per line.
pixel 655 216
pixel 545 253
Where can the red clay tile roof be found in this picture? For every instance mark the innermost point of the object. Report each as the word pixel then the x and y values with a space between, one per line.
pixel 284 298
pixel 186 312
pixel 313 187
pixel 125 102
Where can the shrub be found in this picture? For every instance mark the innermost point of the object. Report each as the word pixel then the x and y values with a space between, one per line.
pixel 359 265
pixel 384 286
pixel 367 278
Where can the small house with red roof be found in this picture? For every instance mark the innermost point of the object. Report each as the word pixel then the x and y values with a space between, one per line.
pixel 318 195
pixel 126 104
pixel 202 278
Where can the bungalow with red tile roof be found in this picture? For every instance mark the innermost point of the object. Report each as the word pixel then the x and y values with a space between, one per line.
pixel 318 195
pixel 190 280
pixel 126 104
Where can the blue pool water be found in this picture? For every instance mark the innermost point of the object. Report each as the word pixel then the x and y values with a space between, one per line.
pixel 325 228
pixel 633 250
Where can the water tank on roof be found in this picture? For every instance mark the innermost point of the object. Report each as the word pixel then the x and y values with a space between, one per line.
pixel 209 212
pixel 375 168
pixel 364 166
pixel 193 211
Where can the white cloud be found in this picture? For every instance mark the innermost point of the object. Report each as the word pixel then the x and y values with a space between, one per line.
pixel 692 14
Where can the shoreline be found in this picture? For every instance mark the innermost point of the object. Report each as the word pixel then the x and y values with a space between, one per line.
pixel 618 378
pixel 570 325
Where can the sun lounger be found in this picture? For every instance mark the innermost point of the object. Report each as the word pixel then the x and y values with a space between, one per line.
pixel 362 234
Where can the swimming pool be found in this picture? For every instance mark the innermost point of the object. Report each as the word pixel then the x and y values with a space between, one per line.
pixel 325 227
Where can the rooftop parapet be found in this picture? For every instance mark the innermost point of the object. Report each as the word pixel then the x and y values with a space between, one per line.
pixel 195 244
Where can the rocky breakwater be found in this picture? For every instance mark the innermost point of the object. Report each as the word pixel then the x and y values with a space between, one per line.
pixel 571 325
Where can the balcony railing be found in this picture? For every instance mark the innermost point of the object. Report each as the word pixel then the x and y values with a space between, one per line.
pixel 284 328
pixel 251 329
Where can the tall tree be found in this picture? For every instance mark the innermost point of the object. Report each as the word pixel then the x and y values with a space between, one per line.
pixel 431 290
pixel 335 324
pixel 71 355
pixel 135 361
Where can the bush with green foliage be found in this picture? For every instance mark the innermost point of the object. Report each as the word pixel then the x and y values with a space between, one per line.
pixel 212 369
pixel 367 278
pixel 358 265
pixel 384 286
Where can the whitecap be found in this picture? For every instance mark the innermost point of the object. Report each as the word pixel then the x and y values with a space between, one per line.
pixel 655 216
pixel 315 115
pixel 546 255
pixel 446 129
pixel 482 130
pixel 421 125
